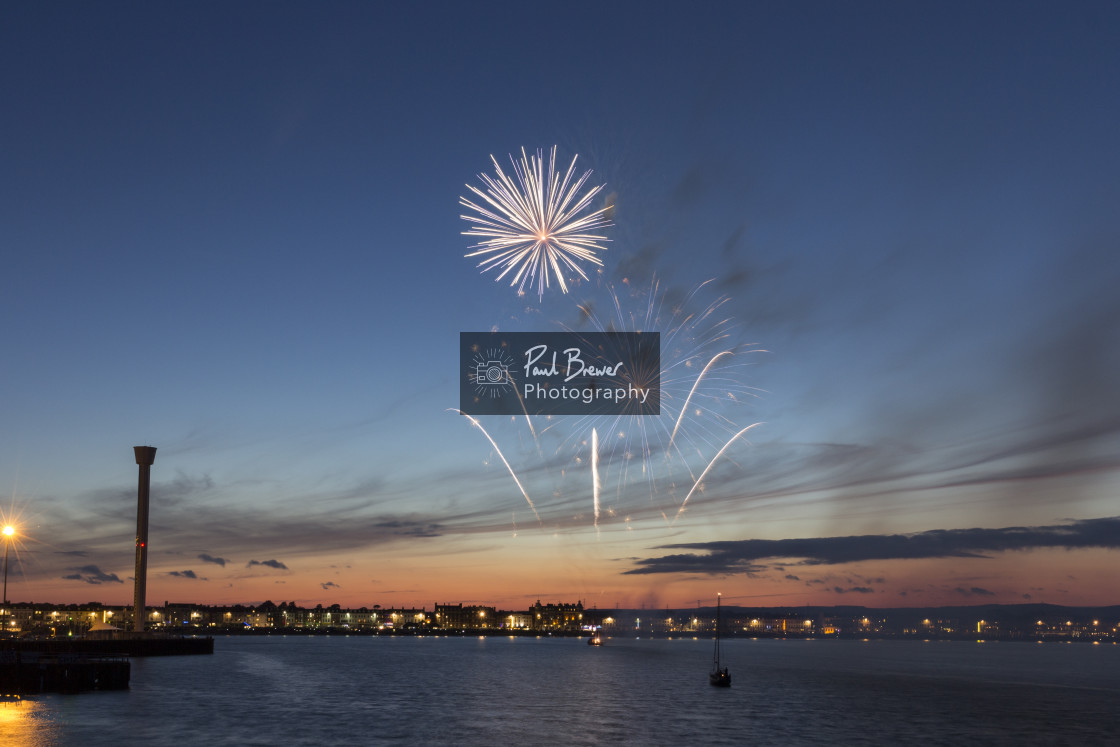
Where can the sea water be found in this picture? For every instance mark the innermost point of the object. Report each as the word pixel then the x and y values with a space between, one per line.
pixel 326 690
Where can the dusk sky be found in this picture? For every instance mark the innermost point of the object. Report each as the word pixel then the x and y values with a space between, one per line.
pixel 232 231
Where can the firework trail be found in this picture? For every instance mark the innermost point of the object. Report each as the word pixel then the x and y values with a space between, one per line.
pixel 684 408
pixel 595 474
pixel 704 474
pixel 512 474
pixel 532 227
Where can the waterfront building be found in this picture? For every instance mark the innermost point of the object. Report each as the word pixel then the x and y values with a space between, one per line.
pixel 556 617
pixel 469 617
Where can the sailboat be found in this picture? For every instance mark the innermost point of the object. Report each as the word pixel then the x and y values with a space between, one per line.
pixel 719 676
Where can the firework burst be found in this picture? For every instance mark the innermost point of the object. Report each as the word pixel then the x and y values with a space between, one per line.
pixel 655 465
pixel 703 395
pixel 531 226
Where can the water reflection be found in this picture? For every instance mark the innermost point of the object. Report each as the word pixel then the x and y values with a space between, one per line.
pixel 26 723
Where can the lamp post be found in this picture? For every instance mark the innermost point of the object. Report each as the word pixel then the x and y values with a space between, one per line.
pixel 9 531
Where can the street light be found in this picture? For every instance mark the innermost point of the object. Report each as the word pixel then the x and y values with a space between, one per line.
pixel 9 531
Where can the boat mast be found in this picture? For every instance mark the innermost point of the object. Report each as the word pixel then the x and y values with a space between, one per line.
pixel 715 656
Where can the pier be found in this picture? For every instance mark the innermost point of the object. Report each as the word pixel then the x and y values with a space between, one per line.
pixel 71 666
pixel 146 645
pixel 27 672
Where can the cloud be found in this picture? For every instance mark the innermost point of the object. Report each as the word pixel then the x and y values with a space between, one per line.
pixel 853 589
pixel 975 591
pixel 349 516
pixel 91 574
pixel 330 585
pixel 739 556
pixel 270 563
pixel 184 574
pixel 404 528
pixel 183 487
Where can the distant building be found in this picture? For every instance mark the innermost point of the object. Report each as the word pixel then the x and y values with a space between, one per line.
pixel 470 617
pixel 556 617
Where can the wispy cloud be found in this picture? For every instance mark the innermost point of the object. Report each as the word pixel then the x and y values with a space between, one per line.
pixel 206 558
pixel 976 591
pixel 741 555
pixel 408 528
pixel 185 574
pixel 330 585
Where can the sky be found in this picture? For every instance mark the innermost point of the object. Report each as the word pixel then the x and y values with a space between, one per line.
pixel 232 231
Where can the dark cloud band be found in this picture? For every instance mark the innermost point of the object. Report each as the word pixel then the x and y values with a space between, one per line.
pixel 740 555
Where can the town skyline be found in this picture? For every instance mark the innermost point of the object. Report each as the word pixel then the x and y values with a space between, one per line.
pixel 1038 622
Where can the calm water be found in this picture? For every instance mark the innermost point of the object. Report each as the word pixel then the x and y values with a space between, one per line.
pixel 297 690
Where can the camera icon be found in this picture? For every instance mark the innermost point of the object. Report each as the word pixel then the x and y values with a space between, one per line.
pixel 492 373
